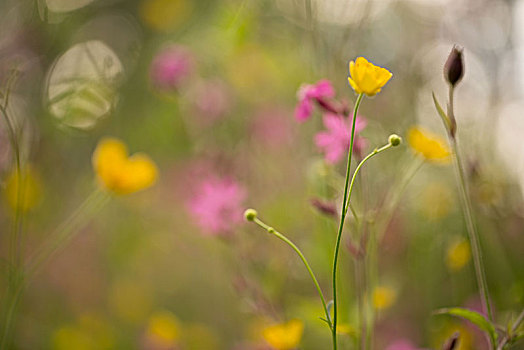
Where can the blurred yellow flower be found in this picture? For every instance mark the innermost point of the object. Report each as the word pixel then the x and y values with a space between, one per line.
pixel 89 332
pixel 428 145
pixel 367 78
pixel 32 189
pixel 284 336
pixel 383 297
pixel 119 173
pixel 436 200
pixel 347 329
pixel 458 255
pixel 164 15
pixel 164 328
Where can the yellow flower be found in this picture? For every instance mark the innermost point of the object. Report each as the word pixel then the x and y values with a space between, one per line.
pixel 284 336
pixel 383 297
pixel 164 328
pixel 428 145
pixel 367 78
pixel 32 189
pixel 164 15
pixel 118 172
pixel 436 201
pixel 458 255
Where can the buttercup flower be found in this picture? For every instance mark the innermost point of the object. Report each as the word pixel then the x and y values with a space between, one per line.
pixel 32 189
pixel 307 94
pixel 367 78
pixel 458 255
pixel 284 336
pixel 170 67
pixel 217 205
pixel 383 297
pixel 119 173
pixel 163 331
pixel 335 141
pixel 431 147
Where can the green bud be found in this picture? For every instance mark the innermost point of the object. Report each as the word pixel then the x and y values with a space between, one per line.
pixel 250 214
pixel 270 230
pixel 394 140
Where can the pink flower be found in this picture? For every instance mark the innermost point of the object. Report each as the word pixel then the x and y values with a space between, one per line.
pixel 402 344
pixel 211 100
pixel 217 205
pixel 307 94
pixel 335 141
pixel 171 67
pixel 271 127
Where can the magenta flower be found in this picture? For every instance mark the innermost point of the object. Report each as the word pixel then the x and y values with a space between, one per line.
pixel 211 100
pixel 308 94
pixel 402 344
pixel 334 142
pixel 171 67
pixel 217 205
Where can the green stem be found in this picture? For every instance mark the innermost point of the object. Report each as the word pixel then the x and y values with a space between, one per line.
pixel 66 231
pixel 341 224
pixel 514 328
pixel 279 235
pixel 472 230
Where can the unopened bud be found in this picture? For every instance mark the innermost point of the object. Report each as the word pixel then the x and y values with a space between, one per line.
pixel 325 208
pixel 394 140
pixel 250 214
pixel 452 343
pixel 454 67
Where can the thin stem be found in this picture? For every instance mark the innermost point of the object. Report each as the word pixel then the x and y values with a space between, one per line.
pixel 341 224
pixel 514 328
pixel 66 231
pixel 472 231
pixel 279 235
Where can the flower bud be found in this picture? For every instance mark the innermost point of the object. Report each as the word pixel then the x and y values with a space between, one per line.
pixel 394 140
pixel 250 214
pixel 454 67
pixel 452 343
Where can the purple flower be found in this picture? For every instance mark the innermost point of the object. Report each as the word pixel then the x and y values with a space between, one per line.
pixel 217 205
pixel 334 142
pixel 307 94
pixel 170 67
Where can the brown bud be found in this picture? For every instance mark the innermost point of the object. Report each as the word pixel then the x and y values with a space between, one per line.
pixel 324 207
pixel 452 343
pixel 454 67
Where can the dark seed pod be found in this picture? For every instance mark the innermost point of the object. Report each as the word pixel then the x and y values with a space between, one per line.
pixel 454 67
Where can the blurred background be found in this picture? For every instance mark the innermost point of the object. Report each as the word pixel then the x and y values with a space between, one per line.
pixel 208 90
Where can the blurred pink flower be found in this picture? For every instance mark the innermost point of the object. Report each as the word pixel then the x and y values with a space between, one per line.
pixel 335 141
pixel 170 67
pixel 217 205
pixel 211 100
pixel 307 94
pixel 402 344
pixel 271 127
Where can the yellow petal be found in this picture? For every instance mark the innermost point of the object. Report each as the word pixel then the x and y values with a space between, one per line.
pixel 120 174
pixel 428 145
pixel 285 336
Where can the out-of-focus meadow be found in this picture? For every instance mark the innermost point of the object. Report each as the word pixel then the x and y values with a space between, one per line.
pixel 160 257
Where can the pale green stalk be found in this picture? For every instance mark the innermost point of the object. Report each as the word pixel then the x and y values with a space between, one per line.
pixel 473 234
pixel 341 224
pixel 279 235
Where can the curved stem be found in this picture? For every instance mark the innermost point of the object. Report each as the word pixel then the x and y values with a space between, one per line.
pixel 472 231
pixel 279 235
pixel 66 231
pixel 341 224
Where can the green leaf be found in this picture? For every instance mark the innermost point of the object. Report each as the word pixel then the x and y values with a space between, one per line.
pixel 442 114
pixel 474 317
